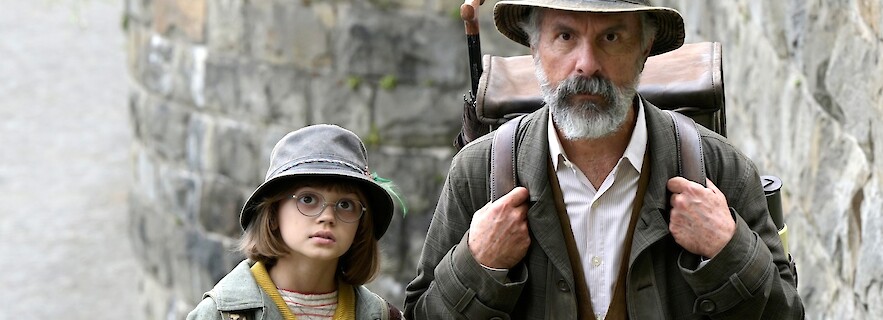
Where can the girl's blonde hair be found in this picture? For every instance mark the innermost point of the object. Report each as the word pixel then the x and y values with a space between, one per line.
pixel 262 240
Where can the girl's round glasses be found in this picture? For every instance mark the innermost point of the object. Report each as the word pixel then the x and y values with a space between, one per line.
pixel 311 204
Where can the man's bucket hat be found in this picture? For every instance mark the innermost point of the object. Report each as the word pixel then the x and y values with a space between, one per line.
pixel 322 151
pixel 669 36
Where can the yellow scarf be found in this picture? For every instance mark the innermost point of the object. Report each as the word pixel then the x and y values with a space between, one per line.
pixel 346 301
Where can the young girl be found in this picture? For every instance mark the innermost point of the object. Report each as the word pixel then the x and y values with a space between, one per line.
pixel 311 232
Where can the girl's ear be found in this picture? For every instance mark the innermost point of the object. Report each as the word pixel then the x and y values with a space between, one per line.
pixel 274 224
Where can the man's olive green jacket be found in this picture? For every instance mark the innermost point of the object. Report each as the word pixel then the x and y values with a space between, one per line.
pixel 749 279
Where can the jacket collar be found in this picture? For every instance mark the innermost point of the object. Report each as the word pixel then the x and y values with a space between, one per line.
pixel 238 290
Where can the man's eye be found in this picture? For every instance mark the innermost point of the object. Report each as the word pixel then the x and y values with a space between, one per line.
pixel 565 36
pixel 611 37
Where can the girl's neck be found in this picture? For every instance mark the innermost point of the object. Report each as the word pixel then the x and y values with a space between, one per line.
pixel 304 275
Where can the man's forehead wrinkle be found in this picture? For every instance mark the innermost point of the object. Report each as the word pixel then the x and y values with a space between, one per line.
pixel 569 22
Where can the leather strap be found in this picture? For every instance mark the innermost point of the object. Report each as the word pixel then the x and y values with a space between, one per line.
pixel 691 160
pixel 691 164
pixel 503 173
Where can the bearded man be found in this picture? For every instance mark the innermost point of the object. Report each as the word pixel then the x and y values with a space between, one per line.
pixel 603 227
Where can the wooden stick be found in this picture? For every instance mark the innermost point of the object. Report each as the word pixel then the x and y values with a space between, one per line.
pixel 469 14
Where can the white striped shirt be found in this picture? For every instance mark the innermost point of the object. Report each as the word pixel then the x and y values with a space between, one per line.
pixel 600 218
pixel 310 306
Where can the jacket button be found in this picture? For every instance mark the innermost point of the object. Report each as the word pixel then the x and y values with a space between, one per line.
pixel 707 306
pixel 562 285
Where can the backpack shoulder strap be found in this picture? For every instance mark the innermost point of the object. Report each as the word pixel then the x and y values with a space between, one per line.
pixel 503 150
pixel 691 161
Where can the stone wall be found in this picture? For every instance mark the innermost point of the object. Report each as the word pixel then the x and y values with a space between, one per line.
pixel 804 83
pixel 214 84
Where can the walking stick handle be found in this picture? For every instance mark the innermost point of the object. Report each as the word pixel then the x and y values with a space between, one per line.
pixel 469 14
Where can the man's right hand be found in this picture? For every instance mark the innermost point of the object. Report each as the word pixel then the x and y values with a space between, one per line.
pixel 498 234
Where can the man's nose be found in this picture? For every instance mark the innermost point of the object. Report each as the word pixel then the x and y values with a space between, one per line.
pixel 587 63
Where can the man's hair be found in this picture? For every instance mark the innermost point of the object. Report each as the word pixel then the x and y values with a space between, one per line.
pixel 531 26
pixel 262 240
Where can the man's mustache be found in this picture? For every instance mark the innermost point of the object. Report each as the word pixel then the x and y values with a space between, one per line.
pixel 587 85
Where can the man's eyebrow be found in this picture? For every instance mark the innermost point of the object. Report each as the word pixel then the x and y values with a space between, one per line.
pixel 616 27
pixel 561 26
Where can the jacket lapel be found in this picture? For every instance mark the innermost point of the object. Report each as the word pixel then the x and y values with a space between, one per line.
pixel 662 145
pixel 533 153
pixel 238 290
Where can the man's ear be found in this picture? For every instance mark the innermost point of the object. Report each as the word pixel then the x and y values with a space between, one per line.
pixel 646 52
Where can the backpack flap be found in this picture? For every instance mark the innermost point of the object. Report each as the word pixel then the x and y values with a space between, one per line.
pixel 688 80
pixel 507 88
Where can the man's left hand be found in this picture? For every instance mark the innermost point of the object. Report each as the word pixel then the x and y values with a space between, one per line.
pixel 700 218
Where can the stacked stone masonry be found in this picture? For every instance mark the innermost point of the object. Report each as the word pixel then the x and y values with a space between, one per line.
pixel 215 83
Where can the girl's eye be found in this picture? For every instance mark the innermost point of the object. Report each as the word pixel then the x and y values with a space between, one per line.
pixel 307 198
pixel 346 204
pixel 611 37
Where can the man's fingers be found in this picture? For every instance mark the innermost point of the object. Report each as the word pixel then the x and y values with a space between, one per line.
pixel 682 185
pixel 678 184
pixel 711 186
pixel 516 197
pixel 499 235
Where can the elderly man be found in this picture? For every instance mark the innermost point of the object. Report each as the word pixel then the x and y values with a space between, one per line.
pixel 603 227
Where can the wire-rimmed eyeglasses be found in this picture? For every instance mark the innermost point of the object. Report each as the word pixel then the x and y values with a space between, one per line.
pixel 311 204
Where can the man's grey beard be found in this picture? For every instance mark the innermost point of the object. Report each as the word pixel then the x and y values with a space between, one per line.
pixel 587 120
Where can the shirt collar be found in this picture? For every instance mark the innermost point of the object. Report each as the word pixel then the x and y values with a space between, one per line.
pixel 634 151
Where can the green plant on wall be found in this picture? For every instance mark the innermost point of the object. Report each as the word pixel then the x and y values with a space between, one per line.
pixel 388 82
pixel 353 82
pixel 373 138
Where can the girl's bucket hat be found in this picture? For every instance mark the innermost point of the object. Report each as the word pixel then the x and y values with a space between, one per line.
pixel 322 151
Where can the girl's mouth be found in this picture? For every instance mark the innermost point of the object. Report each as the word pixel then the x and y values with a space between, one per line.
pixel 323 235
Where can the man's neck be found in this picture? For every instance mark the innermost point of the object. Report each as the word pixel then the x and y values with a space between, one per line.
pixel 597 157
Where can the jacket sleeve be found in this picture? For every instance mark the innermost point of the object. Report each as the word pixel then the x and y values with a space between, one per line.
pixel 751 277
pixel 205 310
pixel 449 281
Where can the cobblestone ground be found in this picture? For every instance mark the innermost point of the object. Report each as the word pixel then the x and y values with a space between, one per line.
pixel 64 166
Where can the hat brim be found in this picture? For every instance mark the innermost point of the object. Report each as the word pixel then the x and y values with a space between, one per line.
pixel 380 203
pixel 669 36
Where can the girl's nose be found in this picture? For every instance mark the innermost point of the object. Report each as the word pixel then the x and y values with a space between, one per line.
pixel 327 214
